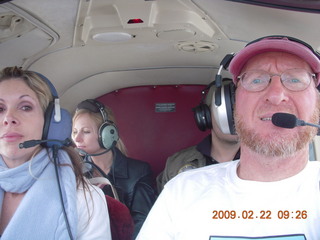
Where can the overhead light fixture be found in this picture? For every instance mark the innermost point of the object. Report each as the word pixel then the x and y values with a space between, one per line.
pixel 112 37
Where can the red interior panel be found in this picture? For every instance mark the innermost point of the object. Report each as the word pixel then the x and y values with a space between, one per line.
pixel 156 121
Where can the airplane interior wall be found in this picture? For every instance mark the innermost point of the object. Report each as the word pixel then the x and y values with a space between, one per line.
pixel 156 121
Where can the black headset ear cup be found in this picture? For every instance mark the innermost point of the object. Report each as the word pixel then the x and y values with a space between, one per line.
pixel 108 135
pixel 202 116
pixel 47 119
pixel 207 114
pixel 233 94
pixel 229 93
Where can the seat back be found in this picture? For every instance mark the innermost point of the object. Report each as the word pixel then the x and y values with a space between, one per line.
pixel 121 222
pixel 101 182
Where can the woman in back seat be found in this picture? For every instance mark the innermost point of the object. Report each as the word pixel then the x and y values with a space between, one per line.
pixel 96 137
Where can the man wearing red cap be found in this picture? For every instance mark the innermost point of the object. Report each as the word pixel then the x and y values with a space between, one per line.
pixel 272 191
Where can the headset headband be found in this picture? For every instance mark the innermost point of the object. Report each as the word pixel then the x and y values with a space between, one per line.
pixel 93 106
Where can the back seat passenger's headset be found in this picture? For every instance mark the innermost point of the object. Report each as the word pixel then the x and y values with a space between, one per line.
pixel 224 95
pixel 222 102
pixel 108 135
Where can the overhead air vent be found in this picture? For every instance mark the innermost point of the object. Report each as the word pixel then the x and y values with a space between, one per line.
pixel 176 34
pixel 12 26
pixel 199 46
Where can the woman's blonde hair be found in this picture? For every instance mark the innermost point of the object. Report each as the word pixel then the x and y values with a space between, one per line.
pixel 98 119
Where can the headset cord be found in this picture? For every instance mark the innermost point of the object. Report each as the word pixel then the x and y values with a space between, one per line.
pixel 55 150
pixel 97 168
pixel 114 154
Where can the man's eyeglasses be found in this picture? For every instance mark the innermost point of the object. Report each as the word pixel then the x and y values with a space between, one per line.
pixel 293 79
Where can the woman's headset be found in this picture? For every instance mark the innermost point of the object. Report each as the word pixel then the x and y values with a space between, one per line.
pixel 57 121
pixel 108 135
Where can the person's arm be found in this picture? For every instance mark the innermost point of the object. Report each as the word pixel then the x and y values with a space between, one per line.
pixel 168 172
pixel 143 199
pixel 175 163
pixel 93 215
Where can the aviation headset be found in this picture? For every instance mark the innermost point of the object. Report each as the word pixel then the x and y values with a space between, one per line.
pixel 222 100
pixel 57 121
pixel 224 95
pixel 108 135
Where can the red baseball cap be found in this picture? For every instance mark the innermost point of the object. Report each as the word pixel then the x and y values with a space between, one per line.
pixel 275 44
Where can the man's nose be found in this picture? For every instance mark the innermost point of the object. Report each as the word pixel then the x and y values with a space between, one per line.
pixel 276 92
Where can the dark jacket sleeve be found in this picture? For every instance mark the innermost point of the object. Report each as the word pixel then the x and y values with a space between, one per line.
pixel 133 181
pixel 143 198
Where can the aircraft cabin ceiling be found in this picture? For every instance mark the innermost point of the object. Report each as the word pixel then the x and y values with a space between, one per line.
pixel 98 46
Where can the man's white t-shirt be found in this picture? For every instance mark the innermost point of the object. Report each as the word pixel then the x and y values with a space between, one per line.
pixel 213 203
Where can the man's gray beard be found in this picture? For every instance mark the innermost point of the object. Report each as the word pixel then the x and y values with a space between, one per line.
pixel 276 145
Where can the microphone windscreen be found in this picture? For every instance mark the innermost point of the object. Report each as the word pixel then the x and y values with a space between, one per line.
pixel 81 152
pixel 284 120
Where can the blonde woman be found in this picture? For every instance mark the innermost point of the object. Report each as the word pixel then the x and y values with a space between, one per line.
pixel 96 136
